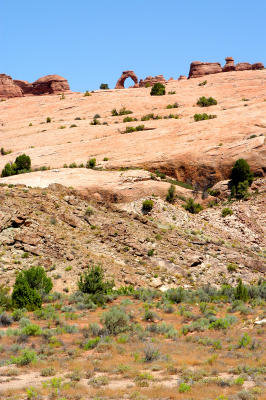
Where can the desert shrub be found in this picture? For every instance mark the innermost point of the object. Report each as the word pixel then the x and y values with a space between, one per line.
pixel 95 121
pixel 150 316
pixel 241 178
pixel 184 387
pixel 171 92
pixel 226 211
pixel 158 89
pixel 175 105
pixel 147 117
pixel 115 320
pixel 124 111
pixel 231 267
pixel 206 102
pixel 5 299
pixel 129 119
pixel 203 83
pixel 192 207
pixel 92 281
pixel 204 116
pixel 244 341
pixel 87 93
pixel 241 292
pixel 22 164
pixel 32 330
pixel 138 128
pixel 18 314
pixel 91 163
pixel 151 353
pixel 92 343
pixel 175 295
pixel 5 319
pixel 147 205
pixel 27 357
pixel 29 287
pixel 49 371
pixel 171 194
pixel 104 86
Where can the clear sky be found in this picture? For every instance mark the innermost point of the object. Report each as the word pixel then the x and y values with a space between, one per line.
pixel 90 42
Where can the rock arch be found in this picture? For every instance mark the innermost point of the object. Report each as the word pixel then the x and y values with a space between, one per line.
pixel 124 76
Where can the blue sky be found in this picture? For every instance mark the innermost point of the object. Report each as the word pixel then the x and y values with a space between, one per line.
pixel 90 42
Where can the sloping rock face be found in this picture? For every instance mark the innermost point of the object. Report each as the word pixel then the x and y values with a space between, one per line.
pixel 230 65
pixel 243 66
pixel 257 66
pixel 8 88
pixel 124 76
pixel 50 84
pixel 198 69
pixel 151 80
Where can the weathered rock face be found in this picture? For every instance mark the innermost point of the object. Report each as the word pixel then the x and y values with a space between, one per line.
pixel 182 78
pixel 124 76
pixel 257 66
pixel 243 66
pixel 50 84
pixel 198 69
pixel 229 66
pixel 8 88
pixel 25 86
pixel 151 80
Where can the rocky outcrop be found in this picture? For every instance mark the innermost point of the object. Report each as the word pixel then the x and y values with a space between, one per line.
pixel 198 69
pixel 230 65
pixel 8 88
pixel 124 76
pixel 50 84
pixel 243 66
pixel 182 78
pixel 151 80
pixel 25 86
pixel 257 66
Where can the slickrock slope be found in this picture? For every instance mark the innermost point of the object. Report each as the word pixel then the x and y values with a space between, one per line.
pixel 201 152
pixel 57 227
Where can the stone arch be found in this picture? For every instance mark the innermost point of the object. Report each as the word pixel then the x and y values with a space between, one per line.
pixel 124 76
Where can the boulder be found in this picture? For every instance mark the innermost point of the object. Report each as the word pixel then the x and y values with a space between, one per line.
pixel 50 84
pixel 230 65
pixel 198 69
pixel 8 88
pixel 257 66
pixel 124 76
pixel 243 66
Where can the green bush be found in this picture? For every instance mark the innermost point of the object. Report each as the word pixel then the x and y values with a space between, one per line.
pixel 91 163
pixel 104 86
pixel 175 105
pixel 158 89
pixel 115 321
pixel 192 207
pixel 204 116
pixel 129 119
pixel 184 387
pixel 226 211
pixel 29 287
pixel 26 357
pixel 22 164
pixel 5 299
pixel 203 83
pixel 32 330
pixel 147 205
pixel 171 194
pixel 87 93
pixel 92 281
pixel 206 102
pixel 241 178
pixel 48 120
pixel 241 292
pixel 138 128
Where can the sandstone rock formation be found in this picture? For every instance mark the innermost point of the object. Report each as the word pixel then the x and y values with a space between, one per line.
pixel 124 76
pixel 257 66
pixel 229 66
pixel 182 78
pixel 8 88
pixel 50 84
pixel 198 69
pixel 151 80
pixel 25 86
pixel 243 66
